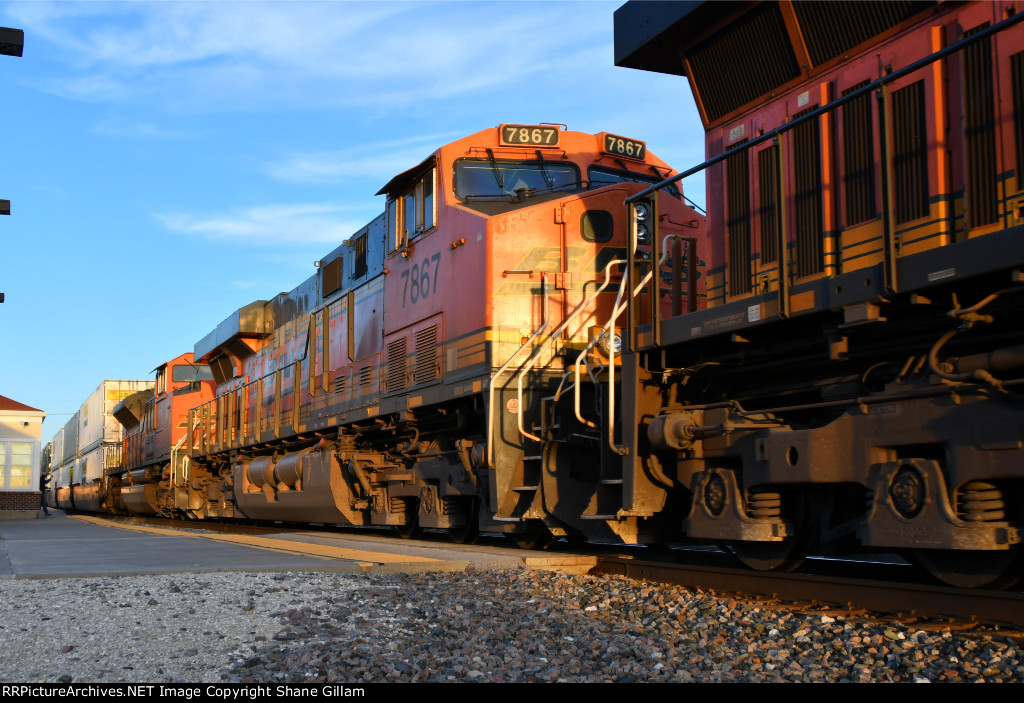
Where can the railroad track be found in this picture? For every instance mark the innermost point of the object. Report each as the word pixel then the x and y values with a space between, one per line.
pixel 890 589
pixel 856 595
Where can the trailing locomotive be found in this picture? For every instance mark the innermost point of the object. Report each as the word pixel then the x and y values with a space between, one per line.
pixel 854 380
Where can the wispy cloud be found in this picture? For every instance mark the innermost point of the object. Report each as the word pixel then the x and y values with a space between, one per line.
pixel 379 160
pixel 226 55
pixel 266 225
pixel 118 128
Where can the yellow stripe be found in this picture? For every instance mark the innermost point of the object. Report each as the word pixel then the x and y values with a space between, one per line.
pixel 319 551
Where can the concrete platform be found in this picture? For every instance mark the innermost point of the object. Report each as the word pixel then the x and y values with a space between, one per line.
pixel 79 546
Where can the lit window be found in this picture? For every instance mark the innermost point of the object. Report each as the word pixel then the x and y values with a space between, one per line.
pixel 16 464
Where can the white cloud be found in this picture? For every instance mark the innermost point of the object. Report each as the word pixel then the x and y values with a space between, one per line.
pixel 217 55
pixel 110 127
pixel 379 160
pixel 302 223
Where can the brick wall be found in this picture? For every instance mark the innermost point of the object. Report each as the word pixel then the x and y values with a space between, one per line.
pixel 19 500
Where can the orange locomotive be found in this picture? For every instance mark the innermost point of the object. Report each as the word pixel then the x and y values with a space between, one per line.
pixel 447 367
pixel 155 428
pixel 853 382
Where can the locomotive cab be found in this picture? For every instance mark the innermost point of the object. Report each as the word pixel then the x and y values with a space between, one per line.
pixel 153 463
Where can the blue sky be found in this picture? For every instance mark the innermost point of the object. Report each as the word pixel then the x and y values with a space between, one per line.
pixel 169 162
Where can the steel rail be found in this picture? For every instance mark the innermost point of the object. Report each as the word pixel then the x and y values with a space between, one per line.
pixel 920 600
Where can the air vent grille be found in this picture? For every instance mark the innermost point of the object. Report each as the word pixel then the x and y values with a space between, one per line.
pixel 807 195
pixel 396 365
pixel 832 28
pixel 426 352
pixel 759 43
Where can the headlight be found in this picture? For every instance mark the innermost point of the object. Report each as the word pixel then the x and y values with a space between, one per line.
pixel 610 343
pixel 642 213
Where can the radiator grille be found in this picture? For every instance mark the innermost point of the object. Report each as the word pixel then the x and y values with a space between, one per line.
pixel 426 349
pixel 768 182
pixel 396 365
pixel 858 158
pixel 758 42
pixel 910 156
pixel 340 383
pixel 807 195
pixel 980 128
pixel 738 222
pixel 359 269
pixel 365 376
pixel 831 28
pixel 330 276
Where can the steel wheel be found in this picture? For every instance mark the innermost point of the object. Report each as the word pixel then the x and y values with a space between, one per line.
pixel 785 556
pixel 411 528
pixel 789 554
pixel 973 569
pixel 468 533
pixel 536 537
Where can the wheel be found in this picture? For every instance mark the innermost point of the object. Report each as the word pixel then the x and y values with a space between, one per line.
pixel 411 528
pixel 468 533
pixel 789 554
pixel 409 531
pixel 785 556
pixel 973 569
pixel 537 537
pixel 465 534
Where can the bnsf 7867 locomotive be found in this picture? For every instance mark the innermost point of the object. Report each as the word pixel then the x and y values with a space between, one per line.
pixel 447 367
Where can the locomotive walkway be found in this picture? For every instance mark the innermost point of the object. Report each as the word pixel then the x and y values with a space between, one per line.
pixel 79 546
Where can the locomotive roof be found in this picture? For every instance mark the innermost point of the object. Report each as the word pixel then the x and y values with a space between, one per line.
pixel 399 182
pixel 647 34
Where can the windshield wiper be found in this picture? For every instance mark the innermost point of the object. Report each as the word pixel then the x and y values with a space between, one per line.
pixel 494 169
pixel 544 169
pixel 530 192
pixel 508 197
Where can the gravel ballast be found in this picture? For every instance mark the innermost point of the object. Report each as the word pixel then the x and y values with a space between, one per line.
pixel 493 626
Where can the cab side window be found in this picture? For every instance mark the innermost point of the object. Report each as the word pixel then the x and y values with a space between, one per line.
pixel 415 209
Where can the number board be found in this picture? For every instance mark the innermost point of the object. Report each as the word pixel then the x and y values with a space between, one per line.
pixel 623 146
pixel 531 134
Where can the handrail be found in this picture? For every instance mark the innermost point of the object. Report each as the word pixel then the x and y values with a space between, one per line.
pixel 590 345
pixel 608 329
pixel 491 383
pixel 291 364
pixel 622 451
pixel 552 337
pixel 519 390
pixel 174 452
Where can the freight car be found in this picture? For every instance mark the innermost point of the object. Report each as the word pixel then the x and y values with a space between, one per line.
pixel 86 452
pixel 854 380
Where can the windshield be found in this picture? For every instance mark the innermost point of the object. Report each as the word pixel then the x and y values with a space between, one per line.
pixel 191 373
pixel 486 178
pixel 601 177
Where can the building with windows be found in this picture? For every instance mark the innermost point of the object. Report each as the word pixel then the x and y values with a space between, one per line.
pixel 21 428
